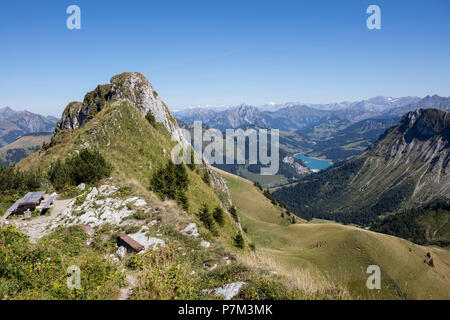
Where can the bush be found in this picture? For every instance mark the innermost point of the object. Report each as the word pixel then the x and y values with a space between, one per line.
pixel 191 165
pixel 171 182
pixel 206 218
pixel 14 180
pixel 234 214
pixel 206 178
pixel 219 216
pixel 85 167
pixel 239 241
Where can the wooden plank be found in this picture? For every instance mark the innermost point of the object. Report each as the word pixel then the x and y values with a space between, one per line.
pixel 131 242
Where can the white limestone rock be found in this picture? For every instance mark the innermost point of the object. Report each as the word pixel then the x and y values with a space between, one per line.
pixel 121 252
pixel 191 230
pixel 228 291
pixel 205 244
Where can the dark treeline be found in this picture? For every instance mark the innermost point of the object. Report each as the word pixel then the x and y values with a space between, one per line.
pixel 15 180
pixel 325 196
pixel 412 224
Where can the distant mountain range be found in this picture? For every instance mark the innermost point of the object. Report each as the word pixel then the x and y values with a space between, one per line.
pixel 294 116
pixel 14 124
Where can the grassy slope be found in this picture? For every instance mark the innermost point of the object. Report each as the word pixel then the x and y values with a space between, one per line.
pixel 26 145
pixel 28 141
pixel 342 253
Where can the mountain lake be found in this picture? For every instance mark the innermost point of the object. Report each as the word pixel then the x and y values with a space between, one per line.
pixel 313 163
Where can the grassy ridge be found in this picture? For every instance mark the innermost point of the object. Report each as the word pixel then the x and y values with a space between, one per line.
pixel 341 254
pixel 135 149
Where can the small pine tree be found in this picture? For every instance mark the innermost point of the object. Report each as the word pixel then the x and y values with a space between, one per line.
pixel 182 200
pixel 191 165
pixel 218 215
pixel 282 214
pixel 293 220
pixel 206 218
pixel 239 241
pixel 234 213
pixel 206 178
pixel 171 182
pixel 258 185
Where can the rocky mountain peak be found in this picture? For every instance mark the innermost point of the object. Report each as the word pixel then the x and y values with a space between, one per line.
pixel 424 123
pixel 132 86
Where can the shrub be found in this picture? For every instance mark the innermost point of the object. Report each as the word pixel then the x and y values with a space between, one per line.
pixel 171 182
pixel 239 241
pixel 219 216
pixel 206 218
pixel 234 214
pixel 206 178
pixel 14 180
pixel 191 165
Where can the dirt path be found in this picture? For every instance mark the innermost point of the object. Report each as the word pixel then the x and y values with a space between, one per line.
pixel 37 227
pixel 131 283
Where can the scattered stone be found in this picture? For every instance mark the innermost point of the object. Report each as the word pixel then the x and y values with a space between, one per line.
pixel 82 186
pixel 149 243
pixel 121 252
pixel 205 244
pixel 228 291
pixel 133 199
pixel 191 230
pixel 140 203
pixel 213 267
pixel 92 194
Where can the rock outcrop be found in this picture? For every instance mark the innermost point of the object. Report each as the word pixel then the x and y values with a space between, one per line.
pixel 132 86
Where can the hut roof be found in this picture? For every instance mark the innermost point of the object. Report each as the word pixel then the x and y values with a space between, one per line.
pixel 131 242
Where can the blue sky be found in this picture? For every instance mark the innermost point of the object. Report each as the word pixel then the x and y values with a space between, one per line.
pixel 224 52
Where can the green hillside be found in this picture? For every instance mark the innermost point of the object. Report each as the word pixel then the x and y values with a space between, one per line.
pixel 406 167
pixel 332 255
pixel 22 147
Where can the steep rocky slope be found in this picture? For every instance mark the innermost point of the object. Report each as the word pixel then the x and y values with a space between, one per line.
pixel 131 86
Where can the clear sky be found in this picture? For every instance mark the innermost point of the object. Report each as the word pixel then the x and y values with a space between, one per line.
pixel 224 52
